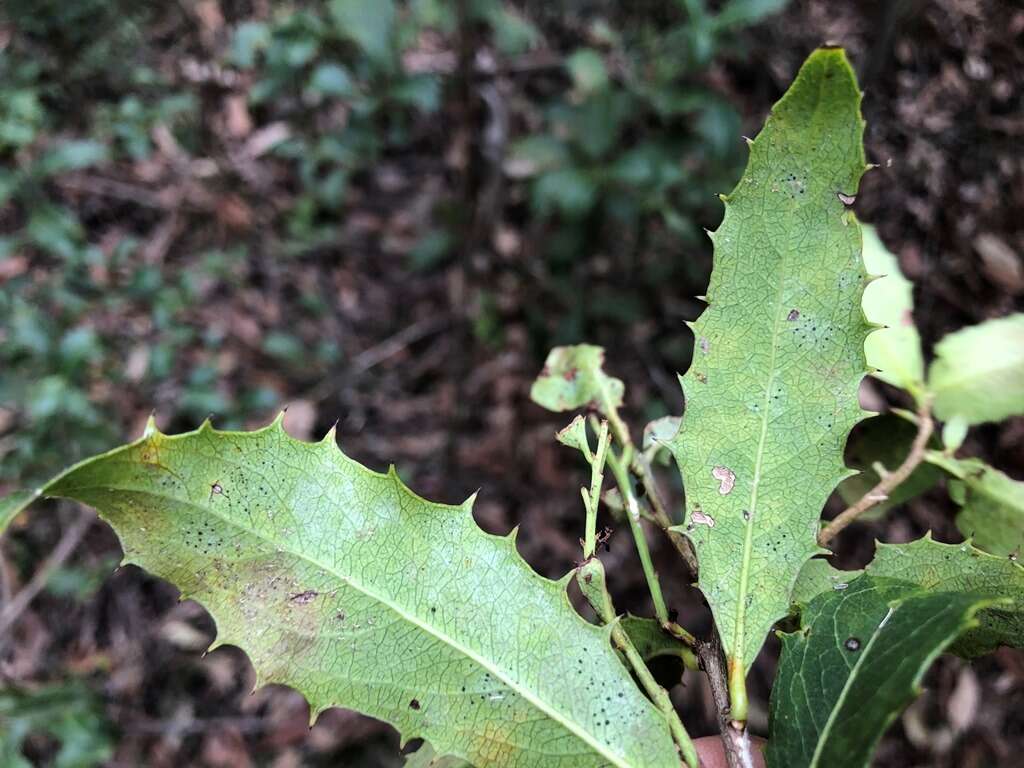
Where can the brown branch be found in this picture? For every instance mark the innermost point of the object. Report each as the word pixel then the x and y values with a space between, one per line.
pixel 925 427
pixel 735 740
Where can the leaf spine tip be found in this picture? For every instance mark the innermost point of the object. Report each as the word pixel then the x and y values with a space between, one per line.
pixel 723 198
pixel 278 422
pixel 330 438
pixel 151 428
pixel 207 425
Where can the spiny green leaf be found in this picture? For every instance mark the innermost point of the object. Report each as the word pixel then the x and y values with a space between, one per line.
pixel 573 378
pixel 345 585
pixel 856 662
pixel 961 568
pixel 818 577
pixel 978 372
pixel 991 504
pixel 894 350
pixel 779 354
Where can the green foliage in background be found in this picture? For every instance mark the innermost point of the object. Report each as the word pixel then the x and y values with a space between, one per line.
pixel 68 713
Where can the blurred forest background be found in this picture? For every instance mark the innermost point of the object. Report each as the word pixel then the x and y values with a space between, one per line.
pixel 383 213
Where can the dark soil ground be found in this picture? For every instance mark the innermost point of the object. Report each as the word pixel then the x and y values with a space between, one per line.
pixel 944 96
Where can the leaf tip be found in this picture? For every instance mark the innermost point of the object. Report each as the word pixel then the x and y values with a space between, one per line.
pixel 151 428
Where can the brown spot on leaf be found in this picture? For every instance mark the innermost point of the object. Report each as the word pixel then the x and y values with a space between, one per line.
pixel 414 704
pixel 852 644
pixel 726 479
pixel 705 345
pixel 793 315
pixel 846 199
pixel 304 598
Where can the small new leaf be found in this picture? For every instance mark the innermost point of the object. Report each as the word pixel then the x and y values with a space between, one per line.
pixel 961 568
pixel 853 666
pixel 573 378
pixel 345 585
pixel 978 372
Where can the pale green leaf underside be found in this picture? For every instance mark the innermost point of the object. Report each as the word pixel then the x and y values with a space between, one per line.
pixel 961 568
pixel 778 357
pixel 343 584
pixel 426 757
pixel 895 350
pixel 978 372
pixel 855 664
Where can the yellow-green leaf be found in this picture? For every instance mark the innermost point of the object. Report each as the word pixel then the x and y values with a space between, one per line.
pixel 345 585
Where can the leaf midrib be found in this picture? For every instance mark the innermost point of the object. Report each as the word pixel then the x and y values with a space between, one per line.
pixel 739 635
pixel 523 691
pixel 827 728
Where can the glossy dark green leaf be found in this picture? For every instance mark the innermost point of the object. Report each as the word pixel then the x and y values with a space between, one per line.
pixel 853 666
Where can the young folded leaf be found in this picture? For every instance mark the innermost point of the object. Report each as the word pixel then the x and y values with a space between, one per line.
pixel 978 372
pixel 345 585
pixel 779 354
pixel 961 568
pixel 853 666
pixel 573 378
